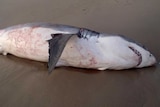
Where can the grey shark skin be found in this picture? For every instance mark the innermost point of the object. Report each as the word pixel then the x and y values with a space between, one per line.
pixel 62 45
pixel 56 47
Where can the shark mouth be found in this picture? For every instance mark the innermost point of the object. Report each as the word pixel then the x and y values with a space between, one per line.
pixel 138 54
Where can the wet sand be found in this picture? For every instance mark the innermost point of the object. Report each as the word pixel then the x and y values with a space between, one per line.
pixel 26 83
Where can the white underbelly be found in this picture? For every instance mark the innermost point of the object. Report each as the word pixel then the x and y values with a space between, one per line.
pixel 31 43
pixel 28 43
pixel 81 53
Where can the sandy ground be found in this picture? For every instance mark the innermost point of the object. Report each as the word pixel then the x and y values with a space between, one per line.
pixel 25 83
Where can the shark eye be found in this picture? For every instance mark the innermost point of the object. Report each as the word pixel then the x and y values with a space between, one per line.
pixel 150 55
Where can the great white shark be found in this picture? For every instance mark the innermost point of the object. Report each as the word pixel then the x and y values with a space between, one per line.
pixel 63 45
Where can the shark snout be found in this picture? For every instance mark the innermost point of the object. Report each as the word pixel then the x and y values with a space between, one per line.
pixel 146 58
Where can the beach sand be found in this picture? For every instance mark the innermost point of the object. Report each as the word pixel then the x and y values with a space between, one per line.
pixel 26 83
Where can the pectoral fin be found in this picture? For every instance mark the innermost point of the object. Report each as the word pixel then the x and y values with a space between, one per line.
pixel 56 46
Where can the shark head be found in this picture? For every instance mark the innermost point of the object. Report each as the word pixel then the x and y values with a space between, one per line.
pixel 146 58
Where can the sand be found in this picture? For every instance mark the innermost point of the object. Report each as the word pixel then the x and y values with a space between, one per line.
pixel 26 83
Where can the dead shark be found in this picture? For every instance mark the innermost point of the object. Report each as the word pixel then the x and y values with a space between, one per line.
pixel 63 45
